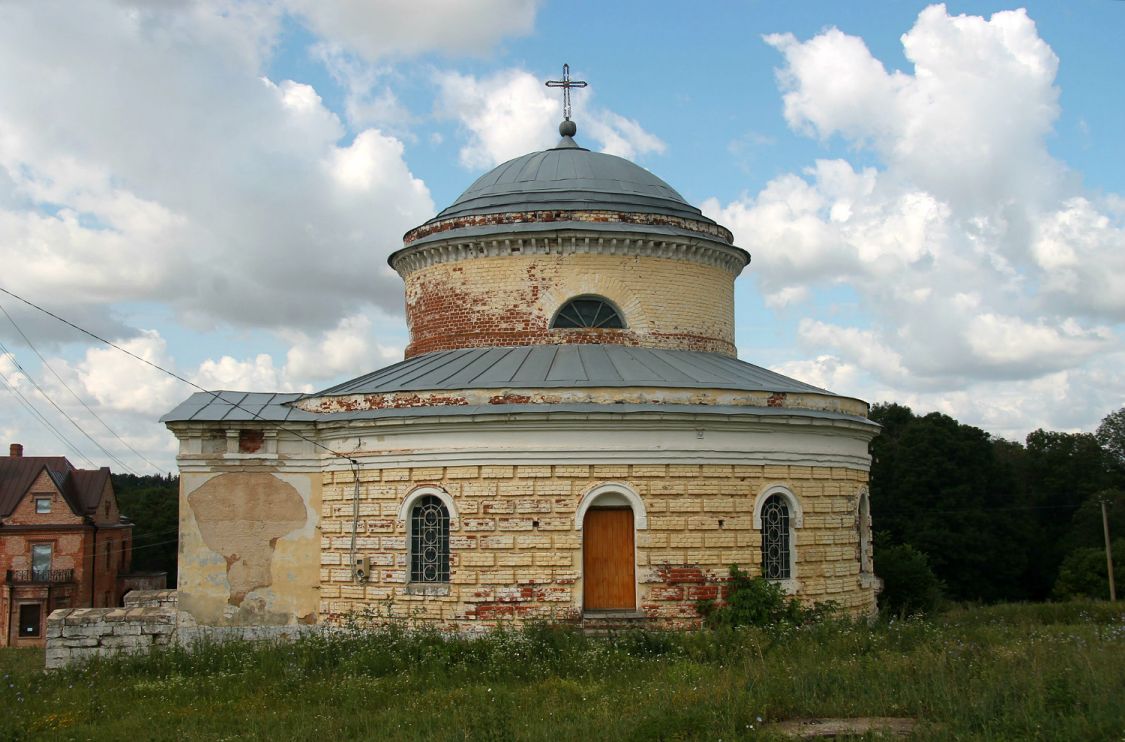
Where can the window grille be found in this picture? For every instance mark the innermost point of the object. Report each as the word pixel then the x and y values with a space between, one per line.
pixel 589 311
pixel 775 539
pixel 864 522
pixel 429 541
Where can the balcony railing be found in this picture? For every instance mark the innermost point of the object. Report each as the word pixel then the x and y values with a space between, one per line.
pixel 40 575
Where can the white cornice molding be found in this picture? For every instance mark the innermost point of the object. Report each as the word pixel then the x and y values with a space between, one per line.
pixel 560 439
pixel 670 247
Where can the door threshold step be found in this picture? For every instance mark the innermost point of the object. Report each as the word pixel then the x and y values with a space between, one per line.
pixel 612 615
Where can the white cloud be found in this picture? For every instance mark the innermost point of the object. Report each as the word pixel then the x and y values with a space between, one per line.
pixel 1069 400
pixel 255 374
pixel 512 112
pixel 395 27
pixel 507 114
pixel 1081 251
pixel 972 257
pixel 622 136
pixel 370 99
pixel 348 349
pixel 119 383
pixel 172 172
pixel 861 347
pixel 967 125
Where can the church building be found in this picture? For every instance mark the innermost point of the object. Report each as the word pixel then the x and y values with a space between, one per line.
pixel 571 434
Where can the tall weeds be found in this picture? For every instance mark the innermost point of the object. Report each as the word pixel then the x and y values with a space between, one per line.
pixel 1001 672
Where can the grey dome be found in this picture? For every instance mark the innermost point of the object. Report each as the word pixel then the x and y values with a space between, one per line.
pixel 570 178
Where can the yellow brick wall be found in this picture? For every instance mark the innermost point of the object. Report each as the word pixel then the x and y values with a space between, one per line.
pixel 505 567
pixel 511 300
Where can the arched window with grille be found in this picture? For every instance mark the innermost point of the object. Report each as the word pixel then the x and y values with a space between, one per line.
pixel 863 523
pixel 588 312
pixel 776 537
pixel 429 540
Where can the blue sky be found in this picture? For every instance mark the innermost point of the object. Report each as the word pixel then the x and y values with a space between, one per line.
pixel 932 195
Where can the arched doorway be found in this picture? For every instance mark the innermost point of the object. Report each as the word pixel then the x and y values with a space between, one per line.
pixel 609 515
pixel 608 568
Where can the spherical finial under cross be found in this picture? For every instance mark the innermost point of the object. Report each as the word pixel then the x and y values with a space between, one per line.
pixel 568 128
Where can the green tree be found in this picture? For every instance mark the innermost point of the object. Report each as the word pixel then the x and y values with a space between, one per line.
pixel 1111 437
pixel 940 486
pixel 1083 574
pixel 1061 472
pixel 909 585
pixel 152 504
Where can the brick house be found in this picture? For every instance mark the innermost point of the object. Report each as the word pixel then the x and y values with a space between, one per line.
pixel 63 543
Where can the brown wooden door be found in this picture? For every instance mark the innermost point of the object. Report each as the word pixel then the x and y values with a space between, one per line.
pixel 607 560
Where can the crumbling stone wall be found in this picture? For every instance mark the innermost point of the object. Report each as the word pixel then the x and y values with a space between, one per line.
pixel 516 552
pixel 148 620
pixel 248 544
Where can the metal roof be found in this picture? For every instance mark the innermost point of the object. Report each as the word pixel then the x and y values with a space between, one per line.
pixel 573 366
pixel 530 367
pixel 570 178
pixel 203 407
pixel 81 488
pixel 225 405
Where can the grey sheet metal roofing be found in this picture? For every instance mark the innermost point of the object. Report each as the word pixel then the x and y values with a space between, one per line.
pixel 203 407
pixel 540 366
pixel 569 177
pixel 238 406
pixel 577 366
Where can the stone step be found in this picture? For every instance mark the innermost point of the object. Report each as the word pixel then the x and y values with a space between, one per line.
pixel 600 623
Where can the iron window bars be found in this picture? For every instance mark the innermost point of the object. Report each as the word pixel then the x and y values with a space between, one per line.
pixel 775 539
pixel 429 541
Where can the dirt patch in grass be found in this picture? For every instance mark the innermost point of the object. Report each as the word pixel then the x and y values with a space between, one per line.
pixel 879 726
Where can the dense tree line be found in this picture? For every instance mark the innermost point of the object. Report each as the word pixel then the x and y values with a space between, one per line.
pixel 994 520
pixel 151 502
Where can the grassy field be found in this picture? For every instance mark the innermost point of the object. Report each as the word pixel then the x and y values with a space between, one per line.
pixel 1003 672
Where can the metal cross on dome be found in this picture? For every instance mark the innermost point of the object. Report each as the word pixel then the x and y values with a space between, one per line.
pixel 566 84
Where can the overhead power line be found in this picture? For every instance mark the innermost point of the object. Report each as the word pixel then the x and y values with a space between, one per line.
pixel 174 375
pixel 75 395
pixel 61 411
pixel 46 423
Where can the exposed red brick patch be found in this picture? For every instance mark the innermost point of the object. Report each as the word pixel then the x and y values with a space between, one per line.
pixel 508 398
pixel 777 399
pixel 250 441
pixel 678 575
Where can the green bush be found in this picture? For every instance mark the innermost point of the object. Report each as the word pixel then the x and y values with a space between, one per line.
pixel 756 601
pixel 909 585
pixel 1083 573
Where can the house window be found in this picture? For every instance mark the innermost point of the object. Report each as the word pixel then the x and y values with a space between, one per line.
pixel 42 504
pixel 108 551
pixel 30 617
pixel 41 562
pixel 776 556
pixel 588 311
pixel 429 540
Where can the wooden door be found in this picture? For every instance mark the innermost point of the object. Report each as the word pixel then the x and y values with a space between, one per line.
pixel 607 560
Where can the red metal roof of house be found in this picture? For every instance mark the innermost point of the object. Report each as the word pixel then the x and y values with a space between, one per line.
pixel 81 488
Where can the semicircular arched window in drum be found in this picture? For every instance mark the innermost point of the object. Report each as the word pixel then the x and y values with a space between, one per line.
pixel 589 311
